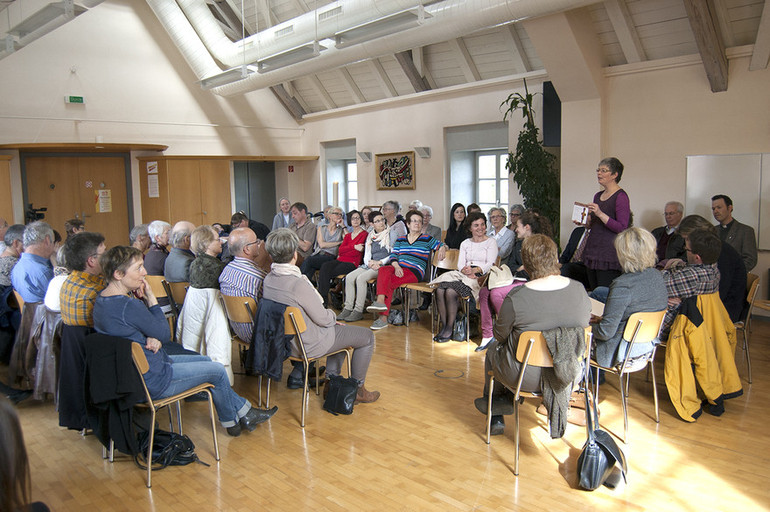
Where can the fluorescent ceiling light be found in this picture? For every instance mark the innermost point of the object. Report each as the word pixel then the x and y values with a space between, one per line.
pixel 46 15
pixel 227 77
pixel 384 26
pixel 290 56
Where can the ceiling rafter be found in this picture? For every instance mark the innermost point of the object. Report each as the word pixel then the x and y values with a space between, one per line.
pixel 520 60
pixel 319 89
pixel 351 86
pixel 724 23
pixel 382 78
pixel 707 36
pixel 418 57
pixel 621 21
pixel 291 105
pixel 302 6
pixel 419 84
pixel 761 53
pixel 267 12
pixel 235 17
pixel 466 61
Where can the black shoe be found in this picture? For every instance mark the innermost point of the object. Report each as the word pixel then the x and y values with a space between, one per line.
pixel 440 339
pixel 294 382
pixel 234 431
pixel 497 426
pixel 254 417
pixel 425 303
pixel 201 396
pixel 395 302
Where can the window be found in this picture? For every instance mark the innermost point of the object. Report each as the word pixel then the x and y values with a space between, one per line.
pixel 491 179
pixel 351 178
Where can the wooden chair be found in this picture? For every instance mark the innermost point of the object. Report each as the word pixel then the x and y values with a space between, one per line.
pixel 160 292
pixel 176 293
pixel 242 310
pixel 19 300
pixel 294 325
pixel 140 361
pixel 744 326
pixel 531 350
pixel 640 328
pixel 428 288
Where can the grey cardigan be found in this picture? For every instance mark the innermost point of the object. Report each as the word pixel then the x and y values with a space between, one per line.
pixel 629 293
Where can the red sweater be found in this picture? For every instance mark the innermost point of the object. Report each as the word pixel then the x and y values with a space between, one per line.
pixel 348 252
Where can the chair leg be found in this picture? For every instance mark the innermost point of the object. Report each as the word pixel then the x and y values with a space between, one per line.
pixel 213 424
pixel 348 358
pixel 516 433
pixel 267 393
pixel 489 406
pixel 259 392
pixel 317 378
pixel 654 391
pixel 623 392
pixel 178 415
pixel 148 457
pixel 406 296
pixel 746 351
pixel 305 392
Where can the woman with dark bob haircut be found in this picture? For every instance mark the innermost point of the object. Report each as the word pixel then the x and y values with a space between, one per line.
pixel 456 232
pixel 127 308
pixel 285 284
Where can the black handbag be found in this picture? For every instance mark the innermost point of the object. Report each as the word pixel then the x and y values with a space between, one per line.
pixel 460 329
pixel 342 395
pixel 168 449
pixel 600 453
pixel 396 317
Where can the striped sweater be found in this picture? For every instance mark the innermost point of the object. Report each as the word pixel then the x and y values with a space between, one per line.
pixel 415 256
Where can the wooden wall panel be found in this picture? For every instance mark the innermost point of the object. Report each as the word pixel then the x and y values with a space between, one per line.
pixel 215 191
pixel 154 208
pixel 52 182
pixel 184 187
pixel 6 199
pixel 104 173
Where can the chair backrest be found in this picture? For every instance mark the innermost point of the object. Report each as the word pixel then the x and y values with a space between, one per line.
pixel 643 327
pixel 450 260
pixel 19 300
pixel 156 284
pixel 294 321
pixel 539 355
pixel 752 285
pixel 178 291
pixel 240 310
pixel 140 360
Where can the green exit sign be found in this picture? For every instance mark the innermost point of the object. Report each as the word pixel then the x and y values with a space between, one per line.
pixel 74 99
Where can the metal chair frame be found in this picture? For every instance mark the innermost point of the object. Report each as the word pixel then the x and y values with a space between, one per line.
pixel 744 326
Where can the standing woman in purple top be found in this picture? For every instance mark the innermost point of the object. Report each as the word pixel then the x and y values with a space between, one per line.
pixel 610 214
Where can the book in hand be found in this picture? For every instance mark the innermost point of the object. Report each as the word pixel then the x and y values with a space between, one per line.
pixel 580 213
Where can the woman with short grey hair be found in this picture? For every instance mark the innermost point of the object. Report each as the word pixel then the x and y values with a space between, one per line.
pixel 155 259
pixel 139 237
pixel 285 284
pixel 502 235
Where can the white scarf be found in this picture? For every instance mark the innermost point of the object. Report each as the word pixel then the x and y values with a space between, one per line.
pixel 382 238
pixel 289 269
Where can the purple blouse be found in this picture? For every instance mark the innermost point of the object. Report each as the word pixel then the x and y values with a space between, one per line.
pixel 599 253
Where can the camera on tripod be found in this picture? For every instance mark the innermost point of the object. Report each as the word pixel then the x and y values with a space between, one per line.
pixel 32 214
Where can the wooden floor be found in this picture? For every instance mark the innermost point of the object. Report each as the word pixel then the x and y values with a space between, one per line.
pixel 421 447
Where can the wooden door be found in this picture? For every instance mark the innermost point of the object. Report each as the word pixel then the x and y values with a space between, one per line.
pixel 67 187
pixel 184 191
pixel 6 198
pixel 106 174
pixel 215 191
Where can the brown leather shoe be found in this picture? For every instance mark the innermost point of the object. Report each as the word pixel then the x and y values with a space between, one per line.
pixel 366 397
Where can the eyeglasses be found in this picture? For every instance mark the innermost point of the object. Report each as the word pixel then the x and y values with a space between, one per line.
pixel 669 214
pixel 603 170
pixel 250 243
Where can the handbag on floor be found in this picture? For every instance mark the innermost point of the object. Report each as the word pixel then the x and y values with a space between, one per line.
pixel 396 317
pixel 168 449
pixel 600 453
pixel 460 329
pixel 342 395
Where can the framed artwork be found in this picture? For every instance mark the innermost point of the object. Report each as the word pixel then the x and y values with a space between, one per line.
pixel 395 171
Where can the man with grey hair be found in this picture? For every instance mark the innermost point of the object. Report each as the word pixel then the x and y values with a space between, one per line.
pixel 176 269
pixel 31 275
pixel 670 244
pixel 242 277
pixel 155 258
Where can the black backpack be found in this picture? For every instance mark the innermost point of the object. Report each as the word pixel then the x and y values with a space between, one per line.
pixel 168 449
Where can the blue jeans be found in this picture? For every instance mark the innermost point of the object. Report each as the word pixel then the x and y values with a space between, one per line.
pixel 188 371
pixel 600 293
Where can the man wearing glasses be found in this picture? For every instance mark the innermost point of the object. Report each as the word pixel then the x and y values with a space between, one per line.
pixel 670 244
pixel 242 277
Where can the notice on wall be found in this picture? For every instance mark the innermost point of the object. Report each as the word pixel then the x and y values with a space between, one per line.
pixel 103 199
pixel 152 167
pixel 153 189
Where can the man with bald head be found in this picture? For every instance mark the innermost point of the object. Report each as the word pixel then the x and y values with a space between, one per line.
pixel 176 269
pixel 242 277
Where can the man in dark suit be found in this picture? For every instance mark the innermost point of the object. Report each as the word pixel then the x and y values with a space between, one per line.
pixel 740 236
pixel 670 244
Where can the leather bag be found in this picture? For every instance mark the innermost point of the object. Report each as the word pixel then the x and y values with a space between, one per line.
pixel 600 453
pixel 499 276
pixel 342 395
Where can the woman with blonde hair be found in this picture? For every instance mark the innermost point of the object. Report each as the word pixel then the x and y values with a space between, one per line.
pixel 639 288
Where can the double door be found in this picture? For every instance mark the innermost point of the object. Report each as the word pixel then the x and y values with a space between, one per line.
pixel 91 188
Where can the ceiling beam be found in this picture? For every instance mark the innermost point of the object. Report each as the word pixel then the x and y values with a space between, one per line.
pixel 407 65
pixel 319 89
pixel 302 6
pixel 724 23
pixel 418 57
pixel 617 10
pixel 233 14
pixel 761 54
pixel 466 62
pixel 709 40
pixel 383 79
pixel 294 93
pixel 268 14
pixel 520 60
pixel 291 105
pixel 350 84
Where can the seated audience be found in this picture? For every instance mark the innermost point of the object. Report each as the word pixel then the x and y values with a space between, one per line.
pixel 639 288
pixel 304 229
pixel 242 277
pixel 3 229
pixel 282 219
pixel 502 235
pixel 397 227
pixel 477 255
pixel 456 232
pixel 732 272
pixel 176 269
pixel 140 238
pixel 241 220
pixel 286 285
pixel 32 273
pixel 408 264
pixel 740 236
pixel 61 273
pixel 669 243
pixel 14 246
pixel 415 205
pixel 547 301
pixel 327 243
pixel 142 321
pixel 351 254
pixel 367 225
pixel 15 487
pixel 428 228
pixel 155 259
pixel 376 254
pixel 515 212
pixel 699 277
pixel 473 207
pixel 73 227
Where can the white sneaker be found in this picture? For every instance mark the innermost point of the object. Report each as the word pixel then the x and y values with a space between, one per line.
pixel 380 323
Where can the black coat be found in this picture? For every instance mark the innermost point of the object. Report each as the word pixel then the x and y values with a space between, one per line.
pixel 269 345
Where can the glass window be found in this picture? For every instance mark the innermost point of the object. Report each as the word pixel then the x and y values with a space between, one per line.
pixel 351 176
pixel 492 179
